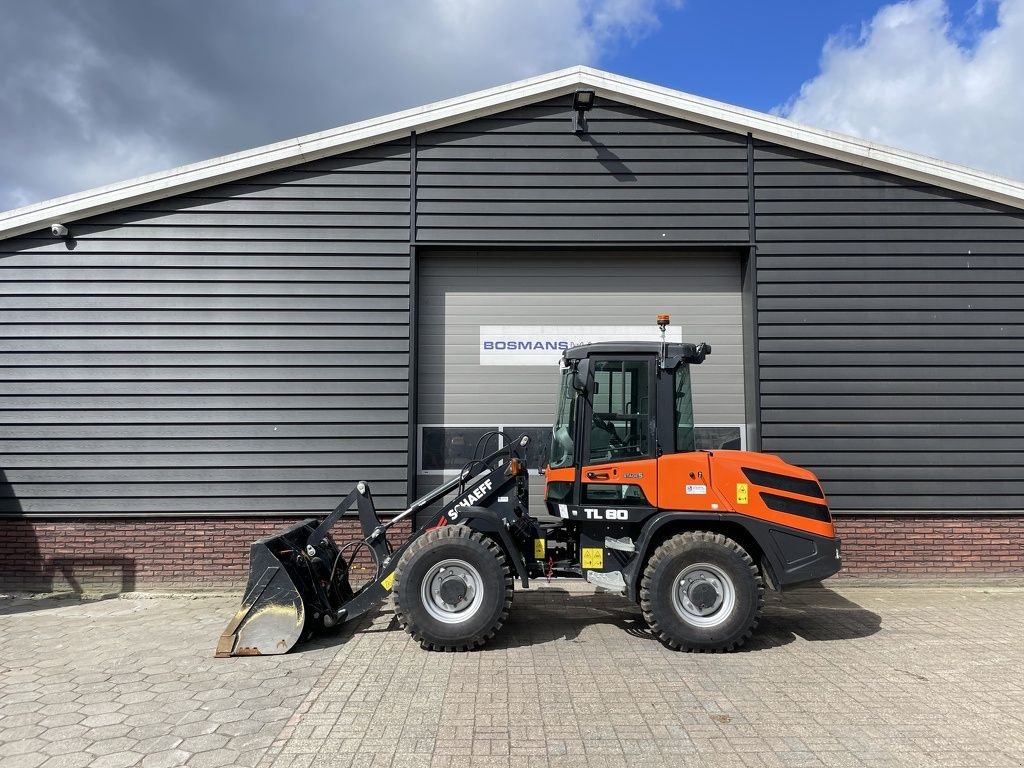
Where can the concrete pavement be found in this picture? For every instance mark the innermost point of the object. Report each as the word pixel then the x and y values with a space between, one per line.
pixel 852 674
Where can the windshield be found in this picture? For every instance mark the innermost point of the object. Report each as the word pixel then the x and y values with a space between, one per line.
pixel 561 433
pixel 684 411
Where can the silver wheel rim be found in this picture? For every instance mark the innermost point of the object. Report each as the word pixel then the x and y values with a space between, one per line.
pixel 693 588
pixel 433 601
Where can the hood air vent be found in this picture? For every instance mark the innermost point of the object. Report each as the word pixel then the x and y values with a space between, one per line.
pixel 783 482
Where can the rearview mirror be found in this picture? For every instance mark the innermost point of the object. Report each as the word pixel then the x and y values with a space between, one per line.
pixel 581 376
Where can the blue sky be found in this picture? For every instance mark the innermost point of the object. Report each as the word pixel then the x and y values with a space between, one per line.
pixel 97 91
pixel 755 53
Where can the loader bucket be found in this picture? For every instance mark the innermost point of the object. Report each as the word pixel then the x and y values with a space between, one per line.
pixel 278 598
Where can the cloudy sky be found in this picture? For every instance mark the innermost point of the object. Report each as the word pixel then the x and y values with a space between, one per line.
pixel 97 91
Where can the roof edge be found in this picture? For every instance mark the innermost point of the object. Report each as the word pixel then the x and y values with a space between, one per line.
pixel 283 154
pixel 830 144
pixel 438 114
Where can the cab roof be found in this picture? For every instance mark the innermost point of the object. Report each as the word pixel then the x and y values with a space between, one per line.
pixel 687 353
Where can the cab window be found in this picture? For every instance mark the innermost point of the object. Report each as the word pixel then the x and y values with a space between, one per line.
pixel 562 452
pixel 620 424
pixel 683 401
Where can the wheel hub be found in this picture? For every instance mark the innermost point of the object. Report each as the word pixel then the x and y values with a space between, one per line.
pixel 451 591
pixel 703 595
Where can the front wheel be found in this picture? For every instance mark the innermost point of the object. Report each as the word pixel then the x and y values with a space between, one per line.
pixel 701 591
pixel 453 589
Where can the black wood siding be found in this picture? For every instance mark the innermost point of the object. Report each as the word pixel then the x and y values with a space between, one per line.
pixel 242 349
pixel 524 177
pixel 891 336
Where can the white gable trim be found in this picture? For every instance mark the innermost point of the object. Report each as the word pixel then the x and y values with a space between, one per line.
pixel 481 103
pixel 817 141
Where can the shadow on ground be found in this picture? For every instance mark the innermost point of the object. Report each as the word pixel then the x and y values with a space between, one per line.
pixel 58 582
pixel 813 613
pixel 14 605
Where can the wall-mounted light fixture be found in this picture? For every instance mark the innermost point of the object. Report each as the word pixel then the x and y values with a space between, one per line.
pixel 582 101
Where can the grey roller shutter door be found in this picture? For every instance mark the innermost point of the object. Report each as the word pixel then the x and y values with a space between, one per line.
pixel 459 293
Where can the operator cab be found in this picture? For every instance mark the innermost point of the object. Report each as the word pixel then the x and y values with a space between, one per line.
pixel 620 406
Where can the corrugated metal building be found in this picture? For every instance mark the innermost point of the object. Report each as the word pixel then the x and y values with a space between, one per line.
pixel 215 349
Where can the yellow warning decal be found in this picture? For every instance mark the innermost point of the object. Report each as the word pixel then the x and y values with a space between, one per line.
pixel 741 493
pixel 593 557
pixel 388 581
pixel 539 548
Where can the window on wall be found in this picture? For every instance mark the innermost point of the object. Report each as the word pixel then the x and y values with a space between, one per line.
pixel 449 448
pixel 446 448
pixel 719 437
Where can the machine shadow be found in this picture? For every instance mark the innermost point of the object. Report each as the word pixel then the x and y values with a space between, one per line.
pixel 21 565
pixel 553 614
pixel 813 613
pixel 378 619
pixel 26 569
pixel 119 579
pixel 27 604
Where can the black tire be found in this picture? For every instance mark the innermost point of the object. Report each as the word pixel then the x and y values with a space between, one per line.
pixel 436 625
pixel 689 559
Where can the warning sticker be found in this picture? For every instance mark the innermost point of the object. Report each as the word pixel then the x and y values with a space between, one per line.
pixel 388 581
pixel 539 548
pixel 592 557
pixel 741 493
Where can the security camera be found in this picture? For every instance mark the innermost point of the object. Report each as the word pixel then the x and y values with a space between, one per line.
pixel 58 230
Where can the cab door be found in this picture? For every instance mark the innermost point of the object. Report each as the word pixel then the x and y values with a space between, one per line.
pixel 619 463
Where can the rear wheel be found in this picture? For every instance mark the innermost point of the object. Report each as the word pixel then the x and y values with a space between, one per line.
pixel 453 589
pixel 701 591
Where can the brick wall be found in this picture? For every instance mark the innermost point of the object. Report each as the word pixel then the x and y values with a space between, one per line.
pixel 928 545
pixel 141 554
pixel 138 554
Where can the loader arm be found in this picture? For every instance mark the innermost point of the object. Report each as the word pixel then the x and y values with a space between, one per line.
pixel 299 578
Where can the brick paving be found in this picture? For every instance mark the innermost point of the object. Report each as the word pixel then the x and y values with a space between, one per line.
pixel 855 674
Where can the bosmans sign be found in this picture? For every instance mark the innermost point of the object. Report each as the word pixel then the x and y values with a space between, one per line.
pixel 544 344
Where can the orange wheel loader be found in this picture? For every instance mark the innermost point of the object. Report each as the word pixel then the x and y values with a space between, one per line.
pixel 693 537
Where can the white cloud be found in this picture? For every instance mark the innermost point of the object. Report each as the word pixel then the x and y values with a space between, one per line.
pixel 914 79
pixel 631 18
pixel 116 89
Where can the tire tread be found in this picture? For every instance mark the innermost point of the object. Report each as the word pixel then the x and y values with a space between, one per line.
pixel 669 548
pixel 439 534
